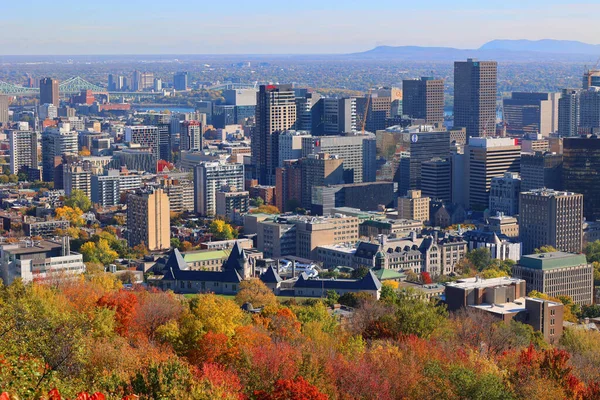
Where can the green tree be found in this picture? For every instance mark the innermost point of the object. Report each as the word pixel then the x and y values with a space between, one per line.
pixel 78 199
pixel 332 297
pixel 480 258
pixel 592 251
pixel 545 249
pixel 417 317
pixel 360 272
pixel 221 230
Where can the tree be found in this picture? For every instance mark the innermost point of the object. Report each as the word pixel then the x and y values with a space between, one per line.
pixel 265 209
pixel 480 258
pixel 255 292
pixel 426 278
pixel 291 389
pixel 257 202
pixel 545 249
pixel 73 215
pixel 84 152
pixel 78 199
pixel 221 230
pixel 592 251
pixel 360 272
pixel 332 297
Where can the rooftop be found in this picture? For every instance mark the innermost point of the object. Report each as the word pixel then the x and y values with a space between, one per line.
pixel 205 255
pixel 549 193
pixel 558 259
pixel 514 306
pixel 472 283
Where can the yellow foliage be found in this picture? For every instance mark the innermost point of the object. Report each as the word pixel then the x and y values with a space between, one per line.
pixel 393 284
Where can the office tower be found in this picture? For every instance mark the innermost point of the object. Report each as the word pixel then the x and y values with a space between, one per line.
pixel 148 219
pixel 209 177
pixel 55 143
pixel 436 179
pixel 589 111
pixel 275 113
pixel 504 194
pixel 358 152
pixel 414 206
pixel 165 141
pixel 105 190
pixel 190 135
pixel 487 158
pixel 49 91
pixel 319 170
pixel 591 78
pixel 23 149
pixel 232 203
pixel 531 113
pixel 157 84
pixel 366 196
pixel 581 171
pixel 558 274
pixel 180 81
pixel 377 106
pixel 4 102
pixel 112 85
pixel 305 103
pixel 290 145
pixel 146 136
pixel 475 91
pixel 424 99
pixel 77 177
pixel 549 217
pixel 418 145
pixel 331 116
pixel 223 115
pixel 541 170
pixel 240 97
pixel 47 111
pixel 142 81
pixel 288 185
pixel 568 112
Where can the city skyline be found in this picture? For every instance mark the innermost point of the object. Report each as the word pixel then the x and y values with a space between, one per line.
pixel 268 27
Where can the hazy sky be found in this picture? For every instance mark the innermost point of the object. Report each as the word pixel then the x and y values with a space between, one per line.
pixel 281 26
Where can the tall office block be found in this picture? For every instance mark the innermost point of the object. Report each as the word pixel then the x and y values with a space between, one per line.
pixel 49 91
pixel 4 102
pixel 275 113
pixel 165 141
pixel 475 92
pixel 146 136
pixel 23 149
pixel 305 103
pixel 55 143
pixel 568 112
pixel 531 113
pixel 436 179
pixel 288 186
pixel 290 145
pixel 240 97
pixel 487 158
pixel 209 177
pixel 504 194
pixel 589 111
pixel 548 217
pixel 319 170
pixel 541 170
pixel 414 206
pixel 105 190
pixel 581 172
pixel 333 116
pixel 378 107
pixel 148 219
pixel 424 99
pixel 190 137
pixel 180 80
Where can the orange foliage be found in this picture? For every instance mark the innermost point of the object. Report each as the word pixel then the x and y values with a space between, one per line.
pixel 125 305
pixel 288 389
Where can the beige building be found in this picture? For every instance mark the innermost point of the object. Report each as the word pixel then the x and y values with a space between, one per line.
pixel 502 224
pixel 148 219
pixel 319 170
pixel 414 206
pixel 549 217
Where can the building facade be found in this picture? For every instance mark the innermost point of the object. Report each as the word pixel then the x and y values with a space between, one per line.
pixel 209 177
pixel 148 219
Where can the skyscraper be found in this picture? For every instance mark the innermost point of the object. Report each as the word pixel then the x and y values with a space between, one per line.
pixel 190 136
pixel 541 170
pixel 548 217
pixel 23 148
pixel 504 194
pixel 331 116
pixel 319 170
pixel 49 91
pixel 589 111
pixel 180 80
pixel 148 219
pixel 581 172
pixel 475 91
pixel 424 99
pixel 436 179
pixel 568 112
pixel 55 143
pixel 147 136
pixel 275 113
pixel 209 177
pixel 531 113
pixel 4 101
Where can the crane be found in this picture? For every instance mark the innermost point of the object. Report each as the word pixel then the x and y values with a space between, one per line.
pixel 364 121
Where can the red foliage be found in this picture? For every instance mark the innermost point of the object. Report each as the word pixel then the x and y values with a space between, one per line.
pixel 212 347
pixel 4 396
pixel 220 377
pixel 85 396
pixel 54 395
pixel 288 389
pixel 426 278
pixel 125 305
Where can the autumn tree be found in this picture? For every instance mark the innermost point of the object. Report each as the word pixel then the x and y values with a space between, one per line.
pixel 73 215
pixel 221 230
pixel 545 249
pixel 255 292
pixel 78 199
pixel 288 389
pixel 265 209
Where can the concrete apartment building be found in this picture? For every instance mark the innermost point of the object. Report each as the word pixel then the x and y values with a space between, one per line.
pixel 548 217
pixel 413 206
pixel 23 149
pixel 148 219
pixel 319 170
pixel 504 194
pixel 558 274
pixel 145 136
pixel 568 112
pixel 77 177
pixel 209 177
pixel 531 113
pixel 56 142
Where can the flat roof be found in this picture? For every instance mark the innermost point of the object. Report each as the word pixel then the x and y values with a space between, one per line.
pixel 558 259
pixel 205 255
pixel 472 283
pixel 513 306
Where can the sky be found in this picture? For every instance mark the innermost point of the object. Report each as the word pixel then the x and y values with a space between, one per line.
pixel 281 27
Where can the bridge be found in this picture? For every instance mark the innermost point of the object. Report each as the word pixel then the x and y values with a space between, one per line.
pixel 70 86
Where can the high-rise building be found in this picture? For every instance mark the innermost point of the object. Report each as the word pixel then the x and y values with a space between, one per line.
pixel 180 80
pixel 319 170
pixel 146 136
pixel 558 274
pixel 190 135
pixel 288 186
pixel 55 143
pixel 436 179
pixel 180 192
pixel 23 149
pixel 157 86
pixel 4 102
pixel 49 91
pixel 378 106
pixel 541 170
pixel 414 206
pixel 275 113
pixel 531 113
pixel 487 158
pixel 568 112
pixel 591 78
pixel 231 203
pixel 290 145
pixel 209 177
pixel 148 219
pixel 240 97
pixel 165 141
pixel 504 194
pixel 475 92
pixel 142 81
pixel 548 217
pixel 358 152
pixel 331 116
pixel 424 99
pixel 581 171
pixel 105 190
pixel 77 177
pixel 305 103
pixel 589 111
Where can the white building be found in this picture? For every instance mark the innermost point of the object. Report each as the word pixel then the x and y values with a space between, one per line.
pixel 209 177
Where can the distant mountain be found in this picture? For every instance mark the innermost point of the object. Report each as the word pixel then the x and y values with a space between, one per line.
pixel 544 46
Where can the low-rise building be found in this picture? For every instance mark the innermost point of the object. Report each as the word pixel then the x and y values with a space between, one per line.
pixel 501 246
pixel 306 287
